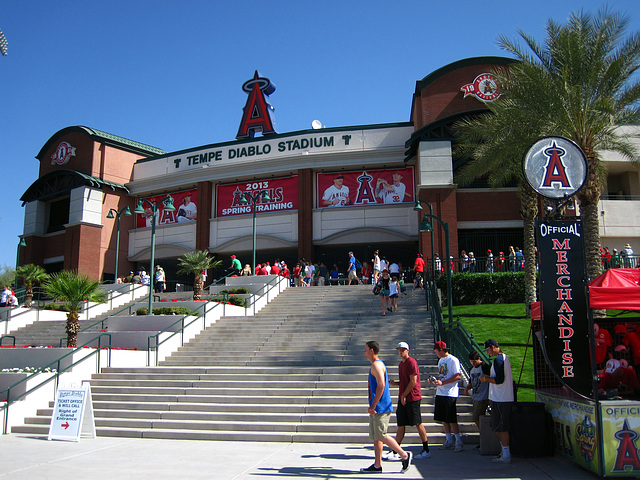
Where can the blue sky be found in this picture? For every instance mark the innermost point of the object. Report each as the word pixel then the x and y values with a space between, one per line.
pixel 169 73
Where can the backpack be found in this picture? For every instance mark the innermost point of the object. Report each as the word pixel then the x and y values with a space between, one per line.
pixel 358 265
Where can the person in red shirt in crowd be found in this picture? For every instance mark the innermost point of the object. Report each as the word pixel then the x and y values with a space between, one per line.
pixel 367 272
pixel 275 269
pixel 632 340
pixel 418 265
pixel 603 342
pixel 296 276
pixel 623 379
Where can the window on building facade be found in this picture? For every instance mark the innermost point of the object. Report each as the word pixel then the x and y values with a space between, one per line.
pixel 57 214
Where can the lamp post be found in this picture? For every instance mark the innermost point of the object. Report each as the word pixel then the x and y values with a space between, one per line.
pixel 427 226
pixel 253 198
pixel 127 213
pixel 21 243
pixel 168 206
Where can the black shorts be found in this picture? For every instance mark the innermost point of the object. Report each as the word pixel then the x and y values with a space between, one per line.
pixel 501 416
pixel 445 409
pixel 409 414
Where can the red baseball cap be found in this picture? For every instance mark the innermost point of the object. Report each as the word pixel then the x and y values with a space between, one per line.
pixel 440 345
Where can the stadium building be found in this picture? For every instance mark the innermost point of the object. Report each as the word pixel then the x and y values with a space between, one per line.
pixel 317 193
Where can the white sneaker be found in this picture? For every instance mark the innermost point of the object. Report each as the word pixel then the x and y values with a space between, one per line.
pixel 392 457
pixel 459 447
pixel 423 454
pixel 446 446
pixel 501 460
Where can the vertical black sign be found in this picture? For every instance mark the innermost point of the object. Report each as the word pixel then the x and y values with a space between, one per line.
pixel 565 322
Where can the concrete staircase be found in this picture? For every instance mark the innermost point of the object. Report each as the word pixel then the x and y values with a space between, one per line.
pixel 293 373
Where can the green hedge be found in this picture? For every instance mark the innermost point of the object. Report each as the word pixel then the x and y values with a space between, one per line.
pixel 165 311
pixel 484 288
pixel 232 291
pixel 56 306
pixel 238 301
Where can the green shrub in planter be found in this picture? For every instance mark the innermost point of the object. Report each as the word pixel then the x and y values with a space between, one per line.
pixel 238 301
pixel 239 290
pixel 484 288
pixel 55 306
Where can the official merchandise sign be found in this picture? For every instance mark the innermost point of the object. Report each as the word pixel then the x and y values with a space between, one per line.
pixel 365 187
pixel 565 321
pixel 555 167
pixel 283 196
pixel 72 414
pixel 186 210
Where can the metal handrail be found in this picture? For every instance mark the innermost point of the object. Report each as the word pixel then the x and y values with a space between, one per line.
pixel 8 336
pixel 56 376
pixel 180 331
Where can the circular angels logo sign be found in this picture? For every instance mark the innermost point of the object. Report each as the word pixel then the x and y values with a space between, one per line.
pixel 63 153
pixel 485 87
pixel 555 167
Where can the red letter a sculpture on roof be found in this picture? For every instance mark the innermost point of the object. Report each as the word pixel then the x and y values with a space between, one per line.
pixel 258 114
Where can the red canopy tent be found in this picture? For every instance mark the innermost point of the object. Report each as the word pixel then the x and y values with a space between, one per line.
pixel 616 288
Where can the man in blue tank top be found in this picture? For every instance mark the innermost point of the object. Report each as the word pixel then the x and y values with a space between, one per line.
pixel 380 408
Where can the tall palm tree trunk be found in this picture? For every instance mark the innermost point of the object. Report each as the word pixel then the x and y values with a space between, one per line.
pixel 529 210
pixel 72 329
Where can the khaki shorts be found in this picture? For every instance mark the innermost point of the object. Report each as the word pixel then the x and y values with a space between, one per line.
pixel 479 409
pixel 378 425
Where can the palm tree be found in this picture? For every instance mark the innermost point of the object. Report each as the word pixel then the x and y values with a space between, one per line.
pixel 73 289
pixel 578 84
pixel 195 263
pixel 30 275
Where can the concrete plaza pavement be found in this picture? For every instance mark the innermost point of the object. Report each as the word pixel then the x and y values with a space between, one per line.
pixel 35 458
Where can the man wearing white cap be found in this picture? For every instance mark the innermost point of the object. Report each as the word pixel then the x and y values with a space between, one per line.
pixel 409 396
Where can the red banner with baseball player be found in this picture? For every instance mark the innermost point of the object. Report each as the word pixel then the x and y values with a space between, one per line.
pixel 366 187
pixel 283 196
pixel 186 209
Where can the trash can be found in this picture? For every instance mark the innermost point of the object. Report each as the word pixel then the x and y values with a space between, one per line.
pixel 489 444
pixel 529 435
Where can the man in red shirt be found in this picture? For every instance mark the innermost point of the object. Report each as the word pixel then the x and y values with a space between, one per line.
pixel 409 396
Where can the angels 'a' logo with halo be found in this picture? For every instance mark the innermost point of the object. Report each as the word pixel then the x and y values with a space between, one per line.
pixel 485 87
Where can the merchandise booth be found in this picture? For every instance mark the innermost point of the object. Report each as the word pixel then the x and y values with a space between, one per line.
pixel 600 429
pixel 585 369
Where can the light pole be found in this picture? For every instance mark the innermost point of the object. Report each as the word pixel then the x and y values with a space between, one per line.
pixel 427 226
pixel 168 206
pixel 246 197
pixel 127 213
pixel 21 243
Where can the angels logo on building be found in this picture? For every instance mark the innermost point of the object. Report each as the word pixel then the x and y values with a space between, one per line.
pixel 258 114
pixel 484 87
pixel 63 153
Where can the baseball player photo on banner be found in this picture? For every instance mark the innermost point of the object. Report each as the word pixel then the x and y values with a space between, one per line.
pixel 283 196
pixel 365 187
pixel 186 210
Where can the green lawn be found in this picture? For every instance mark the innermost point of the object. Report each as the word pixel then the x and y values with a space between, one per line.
pixel 508 324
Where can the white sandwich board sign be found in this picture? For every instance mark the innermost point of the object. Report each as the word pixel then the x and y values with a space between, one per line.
pixel 72 414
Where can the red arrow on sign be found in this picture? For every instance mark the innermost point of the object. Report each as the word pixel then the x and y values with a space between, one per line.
pixel 65 425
